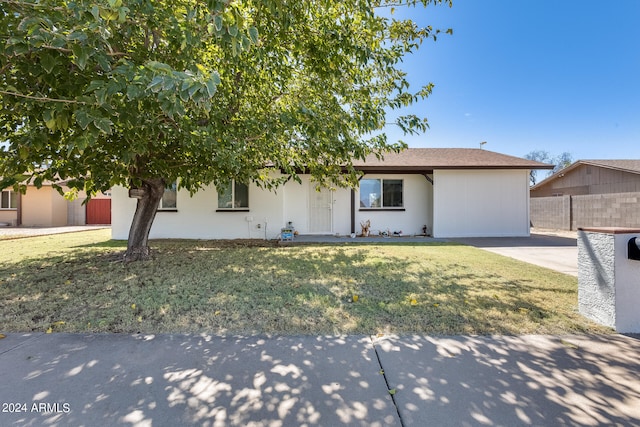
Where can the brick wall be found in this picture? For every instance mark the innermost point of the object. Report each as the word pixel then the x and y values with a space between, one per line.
pixel 592 210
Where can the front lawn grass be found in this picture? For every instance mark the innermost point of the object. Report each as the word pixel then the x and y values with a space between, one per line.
pixel 77 283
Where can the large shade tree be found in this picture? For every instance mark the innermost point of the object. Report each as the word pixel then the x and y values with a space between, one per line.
pixel 143 93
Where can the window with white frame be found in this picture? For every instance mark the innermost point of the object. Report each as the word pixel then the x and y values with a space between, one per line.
pixel 9 200
pixel 235 195
pixel 169 200
pixel 381 193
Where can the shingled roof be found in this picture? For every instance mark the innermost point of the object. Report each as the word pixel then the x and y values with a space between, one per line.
pixel 632 166
pixel 428 159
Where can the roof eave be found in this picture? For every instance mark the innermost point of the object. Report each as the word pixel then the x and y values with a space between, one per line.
pixel 602 165
pixel 575 165
pixel 430 169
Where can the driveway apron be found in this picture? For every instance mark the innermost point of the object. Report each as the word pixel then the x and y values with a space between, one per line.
pixel 553 252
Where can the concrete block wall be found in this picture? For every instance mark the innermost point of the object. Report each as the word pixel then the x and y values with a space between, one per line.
pixel 551 212
pixel 592 210
pixel 606 210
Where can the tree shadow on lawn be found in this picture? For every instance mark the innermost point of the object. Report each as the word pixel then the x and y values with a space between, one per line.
pixel 198 286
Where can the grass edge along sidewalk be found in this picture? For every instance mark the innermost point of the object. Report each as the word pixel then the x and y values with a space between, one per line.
pixel 77 283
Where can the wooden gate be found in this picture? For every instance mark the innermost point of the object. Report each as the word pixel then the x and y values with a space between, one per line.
pixel 99 211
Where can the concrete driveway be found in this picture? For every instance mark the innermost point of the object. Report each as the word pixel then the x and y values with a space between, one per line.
pixel 555 252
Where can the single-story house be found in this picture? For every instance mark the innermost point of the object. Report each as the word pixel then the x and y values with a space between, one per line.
pixel 8 207
pixel 591 177
pixel 45 207
pixel 445 192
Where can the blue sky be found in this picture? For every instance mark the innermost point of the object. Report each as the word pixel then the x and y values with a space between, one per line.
pixel 530 75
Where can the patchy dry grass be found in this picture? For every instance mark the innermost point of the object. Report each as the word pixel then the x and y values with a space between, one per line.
pixel 76 282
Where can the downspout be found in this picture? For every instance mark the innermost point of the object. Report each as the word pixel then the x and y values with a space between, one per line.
pixel 353 211
pixel 431 206
pixel 353 208
pixel 19 212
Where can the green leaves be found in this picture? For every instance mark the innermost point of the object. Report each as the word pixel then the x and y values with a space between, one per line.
pixel 56 119
pixel 189 86
pixel 103 124
pixel 49 119
pixel 81 55
pixel 206 90
pixel 48 62
pixel 253 34
pixel 156 84
pixel 83 119
pixel 217 23
pixel 134 91
pixel 212 83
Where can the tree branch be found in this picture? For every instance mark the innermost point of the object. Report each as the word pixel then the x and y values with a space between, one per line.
pixel 65 50
pixel 42 98
pixel 23 4
pixel 401 3
pixel 6 67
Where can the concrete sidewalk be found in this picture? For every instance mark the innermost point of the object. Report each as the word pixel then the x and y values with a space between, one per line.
pixel 184 380
pixel 21 232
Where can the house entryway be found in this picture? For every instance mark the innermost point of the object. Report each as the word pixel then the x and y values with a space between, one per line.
pixel 320 210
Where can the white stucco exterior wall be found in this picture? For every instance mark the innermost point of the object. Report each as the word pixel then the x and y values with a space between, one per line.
pixel 460 203
pixel 608 282
pixel 122 209
pixel 596 277
pixel 196 216
pixel 417 210
pixel 297 205
pixel 342 211
pixel 481 203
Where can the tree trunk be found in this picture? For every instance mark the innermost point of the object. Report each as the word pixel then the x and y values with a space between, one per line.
pixel 149 197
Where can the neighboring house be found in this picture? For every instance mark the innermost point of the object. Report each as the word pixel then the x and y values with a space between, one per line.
pixel 45 207
pixel 8 207
pixel 591 177
pixel 589 193
pixel 449 192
